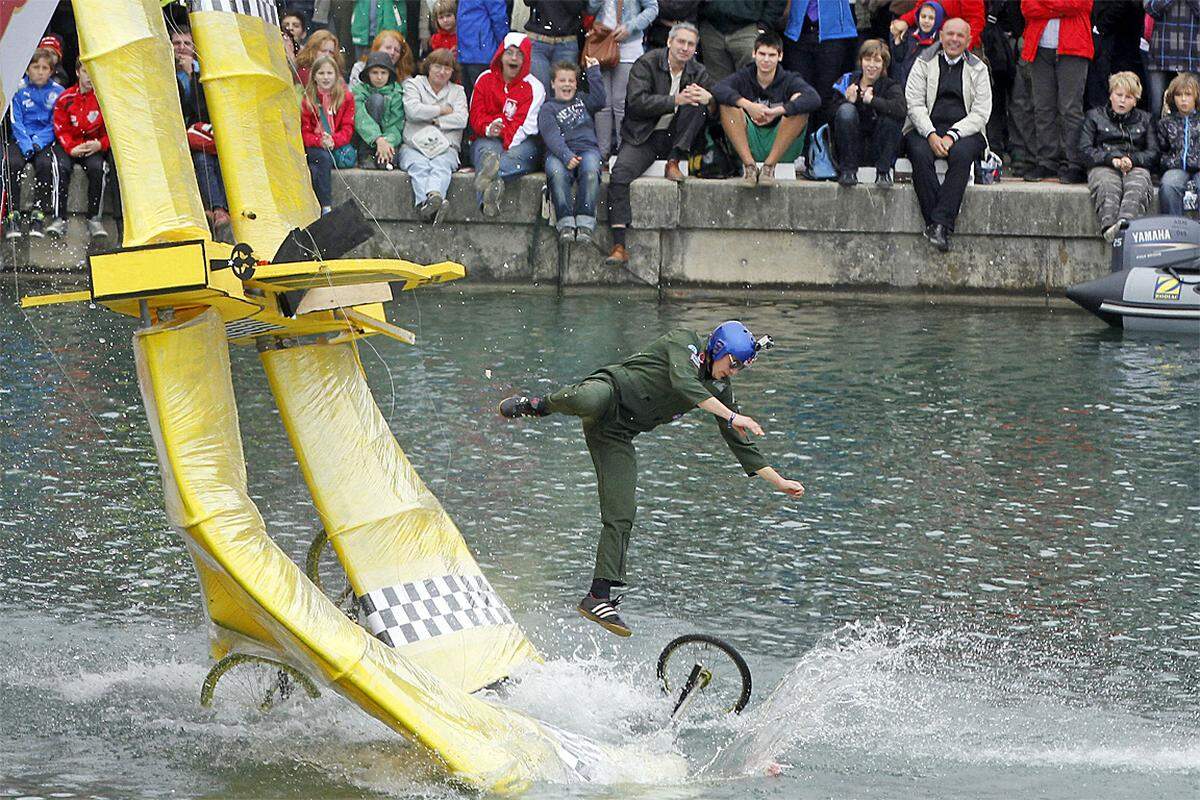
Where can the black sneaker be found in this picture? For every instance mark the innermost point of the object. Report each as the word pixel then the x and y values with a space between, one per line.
pixel 883 179
pixel 521 406
pixel 604 613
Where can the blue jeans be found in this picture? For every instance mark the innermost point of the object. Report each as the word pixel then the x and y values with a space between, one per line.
pixel 545 55
pixel 428 174
pixel 574 192
pixel 208 176
pixel 320 166
pixel 1170 192
pixel 518 160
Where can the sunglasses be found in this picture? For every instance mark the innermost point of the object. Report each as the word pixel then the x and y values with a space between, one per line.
pixel 737 365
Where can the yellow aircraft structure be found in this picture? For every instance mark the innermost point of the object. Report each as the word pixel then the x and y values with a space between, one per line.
pixel 435 630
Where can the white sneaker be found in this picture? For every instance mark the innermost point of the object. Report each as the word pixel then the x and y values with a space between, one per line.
pixel 56 228
pixel 96 228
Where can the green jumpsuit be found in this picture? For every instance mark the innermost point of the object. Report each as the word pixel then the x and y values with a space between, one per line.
pixel 616 403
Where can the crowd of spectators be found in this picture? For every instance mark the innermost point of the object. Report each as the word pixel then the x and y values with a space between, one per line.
pixel 1095 91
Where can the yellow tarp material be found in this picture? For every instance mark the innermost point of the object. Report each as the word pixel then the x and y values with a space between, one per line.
pixel 125 46
pixel 423 591
pixel 256 122
pixel 183 371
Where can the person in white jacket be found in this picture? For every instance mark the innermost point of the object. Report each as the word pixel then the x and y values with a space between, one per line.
pixel 949 99
pixel 435 115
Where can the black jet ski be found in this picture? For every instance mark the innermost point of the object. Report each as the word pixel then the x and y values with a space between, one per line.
pixel 1155 282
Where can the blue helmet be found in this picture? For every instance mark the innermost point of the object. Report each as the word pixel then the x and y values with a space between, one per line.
pixel 732 338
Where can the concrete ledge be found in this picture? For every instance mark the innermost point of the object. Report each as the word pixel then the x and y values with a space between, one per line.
pixel 1012 237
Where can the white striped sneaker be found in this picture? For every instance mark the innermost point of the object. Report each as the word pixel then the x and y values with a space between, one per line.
pixel 604 613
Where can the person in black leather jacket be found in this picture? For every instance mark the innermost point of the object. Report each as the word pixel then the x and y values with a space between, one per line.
pixel 1119 148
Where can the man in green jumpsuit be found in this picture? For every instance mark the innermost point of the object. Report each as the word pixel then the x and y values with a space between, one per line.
pixel 676 373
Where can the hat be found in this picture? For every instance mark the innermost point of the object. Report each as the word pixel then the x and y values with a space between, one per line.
pixel 51 43
pixel 381 59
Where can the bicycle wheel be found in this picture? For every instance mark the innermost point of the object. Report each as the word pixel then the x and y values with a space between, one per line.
pixel 255 680
pixel 325 571
pixel 703 673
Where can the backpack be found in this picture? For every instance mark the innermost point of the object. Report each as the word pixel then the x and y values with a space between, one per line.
pixel 818 163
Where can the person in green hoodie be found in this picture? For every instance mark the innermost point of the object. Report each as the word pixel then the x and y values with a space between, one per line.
pixel 379 114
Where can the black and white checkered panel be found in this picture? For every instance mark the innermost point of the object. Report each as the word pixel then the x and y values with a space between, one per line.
pixel 412 612
pixel 263 9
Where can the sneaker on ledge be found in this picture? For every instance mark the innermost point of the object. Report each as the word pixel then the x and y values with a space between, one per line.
pixel 619 256
pixel 57 228
pixel 750 175
pixel 883 179
pixel 34 227
pixel 766 175
pixel 672 172
pixel 604 613
pixel 521 406
pixel 14 226
pixel 96 228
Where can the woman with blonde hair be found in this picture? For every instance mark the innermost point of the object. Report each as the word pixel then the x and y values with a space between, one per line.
pixel 393 44
pixel 320 43
pixel 326 127
pixel 1119 147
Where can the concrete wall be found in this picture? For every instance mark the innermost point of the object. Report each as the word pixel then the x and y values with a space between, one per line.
pixel 1012 237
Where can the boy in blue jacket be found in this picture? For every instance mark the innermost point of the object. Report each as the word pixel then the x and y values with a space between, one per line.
pixel 33 141
pixel 567 126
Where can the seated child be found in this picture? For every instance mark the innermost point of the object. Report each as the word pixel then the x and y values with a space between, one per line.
pixel 326 126
pixel 33 142
pixel 79 126
pixel 1119 148
pixel 1179 142
pixel 913 41
pixel 567 126
pixel 445 22
pixel 378 114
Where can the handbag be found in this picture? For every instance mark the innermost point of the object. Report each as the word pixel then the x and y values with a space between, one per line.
pixel 600 44
pixel 818 165
pixel 344 157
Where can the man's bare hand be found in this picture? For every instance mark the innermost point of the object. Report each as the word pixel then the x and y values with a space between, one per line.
pixel 791 488
pixel 494 128
pixel 937 146
pixel 574 162
pixel 744 425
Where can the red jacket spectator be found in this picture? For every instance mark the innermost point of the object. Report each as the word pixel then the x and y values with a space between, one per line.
pixel 77 119
pixel 1074 27
pixel 341 121
pixel 515 104
pixel 446 39
pixel 970 10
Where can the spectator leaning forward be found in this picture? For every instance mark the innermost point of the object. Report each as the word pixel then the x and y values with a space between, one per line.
pixel 764 109
pixel 1179 142
pixel 567 126
pixel 1120 148
pixel 33 142
pixel 1058 43
pixel 79 126
pixel 949 98
pixel 867 120
pixel 435 114
pixel 378 114
pixel 504 117
pixel 1174 44
pixel 327 127
pixel 669 103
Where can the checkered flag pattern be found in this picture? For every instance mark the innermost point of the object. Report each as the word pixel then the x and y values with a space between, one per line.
pixel 411 612
pixel 263 9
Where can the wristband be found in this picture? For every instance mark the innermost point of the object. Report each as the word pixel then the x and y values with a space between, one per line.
pixel 729 422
